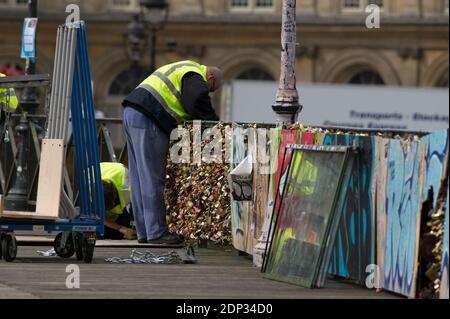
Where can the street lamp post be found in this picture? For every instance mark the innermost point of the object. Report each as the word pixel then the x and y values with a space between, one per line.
pixel 153 51
pixel 135 40
pixel 287 105
pixel 29 101
pixel 154 13
pixel 158 12
pixel 17 197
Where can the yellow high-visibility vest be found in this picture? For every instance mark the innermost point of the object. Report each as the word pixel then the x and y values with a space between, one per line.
pixel 165 84
pixel 117 174
pixel 8 99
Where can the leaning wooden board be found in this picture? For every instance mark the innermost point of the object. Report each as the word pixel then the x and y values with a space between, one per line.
pixel 50 183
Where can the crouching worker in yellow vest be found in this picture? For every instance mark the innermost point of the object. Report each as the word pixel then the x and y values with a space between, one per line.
pixel 8 102
pixel 117 193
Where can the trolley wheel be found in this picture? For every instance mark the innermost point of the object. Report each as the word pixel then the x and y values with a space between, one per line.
pixel 79 246
pixel 88 249
pixel 9 248
pixel 69 248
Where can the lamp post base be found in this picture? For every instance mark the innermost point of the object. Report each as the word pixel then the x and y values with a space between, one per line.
pixel 287 113
pixel 258 253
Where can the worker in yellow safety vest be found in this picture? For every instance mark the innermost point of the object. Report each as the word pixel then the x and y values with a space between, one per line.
pixel 173 94
pixel 8 101
pixel 117 193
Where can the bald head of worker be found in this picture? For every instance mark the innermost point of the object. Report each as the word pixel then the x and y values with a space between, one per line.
pixel 214 77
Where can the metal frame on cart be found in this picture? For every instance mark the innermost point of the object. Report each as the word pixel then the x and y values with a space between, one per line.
pixel 76 236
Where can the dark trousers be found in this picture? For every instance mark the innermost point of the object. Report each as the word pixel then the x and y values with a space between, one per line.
pixel 148 147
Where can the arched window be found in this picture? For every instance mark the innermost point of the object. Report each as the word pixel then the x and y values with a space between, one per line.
pixel 367 77
pixel 255 74
pixel 126 81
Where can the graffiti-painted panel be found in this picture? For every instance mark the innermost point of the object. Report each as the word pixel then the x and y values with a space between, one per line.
pixel 402 218
pixel 355 243
pixel 379 193
pixel 366 216
pixel 287 137
pixel 260 199
pixel 444 269
pixel 345 248
pixel 308 138
pixel 240 211
pixel 276 137
pixel 435 148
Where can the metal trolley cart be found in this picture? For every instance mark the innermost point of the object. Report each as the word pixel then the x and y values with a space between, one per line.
pixel 75 236
pixel 71 74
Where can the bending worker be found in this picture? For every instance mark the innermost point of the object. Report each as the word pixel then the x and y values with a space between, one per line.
pixel 8 102
pixel 117 193
pixel 173 94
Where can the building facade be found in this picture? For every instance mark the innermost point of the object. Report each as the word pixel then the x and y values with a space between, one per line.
pixel 243 38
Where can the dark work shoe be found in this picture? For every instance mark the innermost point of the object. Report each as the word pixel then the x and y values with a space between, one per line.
pixel 142 241
pixel 167 239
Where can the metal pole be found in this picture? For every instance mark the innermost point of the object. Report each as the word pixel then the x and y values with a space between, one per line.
pixel 68 89
pixel 153 51
pixel 55 86
pixel 29 101
pixel 63 84
pixel 33 9
pixel 287 105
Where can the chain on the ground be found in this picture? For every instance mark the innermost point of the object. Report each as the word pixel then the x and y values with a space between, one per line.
pixel 147 258
pixel 48 253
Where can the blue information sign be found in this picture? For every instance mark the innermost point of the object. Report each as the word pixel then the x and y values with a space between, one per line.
pixel 29 38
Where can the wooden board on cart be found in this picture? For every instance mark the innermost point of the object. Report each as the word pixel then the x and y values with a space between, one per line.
pixel 50 183
pixel 26 215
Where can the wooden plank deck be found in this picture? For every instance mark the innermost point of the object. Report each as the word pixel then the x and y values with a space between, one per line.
pixel 220 274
